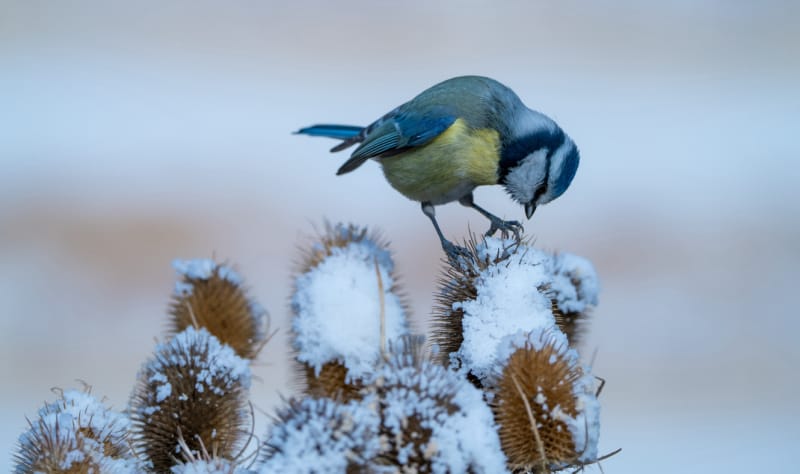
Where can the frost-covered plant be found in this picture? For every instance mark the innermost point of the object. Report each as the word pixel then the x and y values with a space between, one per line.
pixel 506 317
pixel 191 394
pixel 504 391
pixel 505 287
pixel 412 415
pixel 432 419
pixel 545 403
pixel 321 435
pixel 573 293
pixel 212 295
pixel 346 302
pixel 76 434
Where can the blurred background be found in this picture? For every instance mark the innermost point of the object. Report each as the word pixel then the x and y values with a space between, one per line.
pixel 135 133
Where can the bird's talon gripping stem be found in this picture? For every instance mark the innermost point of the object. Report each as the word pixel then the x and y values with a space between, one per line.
pixel 454 252
pixel 506 227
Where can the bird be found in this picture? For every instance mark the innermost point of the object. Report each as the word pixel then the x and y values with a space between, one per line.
pixel 464 132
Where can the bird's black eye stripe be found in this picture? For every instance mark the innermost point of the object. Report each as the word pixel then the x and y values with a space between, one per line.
pixel 517 149
pixel 543 189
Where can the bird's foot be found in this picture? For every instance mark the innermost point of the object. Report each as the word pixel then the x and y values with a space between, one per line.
pixel 505 227
pixel 455 252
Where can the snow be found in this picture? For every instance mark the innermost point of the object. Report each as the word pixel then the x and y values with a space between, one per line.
pixel 201 269
pixel 163 391
pixel 214 466
pixel 585 427
pixel 337 308
pixel 508 301
pixel 570 269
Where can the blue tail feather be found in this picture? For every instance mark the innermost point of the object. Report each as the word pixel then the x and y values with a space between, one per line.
pixel 342 132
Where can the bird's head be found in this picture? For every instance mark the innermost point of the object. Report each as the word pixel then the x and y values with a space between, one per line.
pixel 537 161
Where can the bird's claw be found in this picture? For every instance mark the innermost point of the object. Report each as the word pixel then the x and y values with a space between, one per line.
pixel 506 227
pixel 454 251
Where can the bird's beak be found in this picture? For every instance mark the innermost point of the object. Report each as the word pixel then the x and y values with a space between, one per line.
pixel 529 209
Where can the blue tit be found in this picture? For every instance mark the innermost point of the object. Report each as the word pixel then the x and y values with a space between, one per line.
pixel 459 134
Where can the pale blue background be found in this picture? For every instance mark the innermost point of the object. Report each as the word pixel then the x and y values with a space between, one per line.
pixel 132 134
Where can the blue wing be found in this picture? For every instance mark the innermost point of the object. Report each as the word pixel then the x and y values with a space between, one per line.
pixel 399 130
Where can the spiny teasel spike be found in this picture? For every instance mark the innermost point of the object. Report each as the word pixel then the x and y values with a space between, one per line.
pixel 213 296
pixel 76 434
pixel 193 386
pixel 542 379
pixel 338 329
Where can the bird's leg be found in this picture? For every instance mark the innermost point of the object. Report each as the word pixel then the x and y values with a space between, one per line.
pixel 496 223
pixel 452 250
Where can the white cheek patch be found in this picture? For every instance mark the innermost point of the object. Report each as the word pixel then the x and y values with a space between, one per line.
pixel 523 181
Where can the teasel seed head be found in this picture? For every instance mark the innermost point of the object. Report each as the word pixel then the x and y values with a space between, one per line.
pixel 504 286
pixel 213 296
pixel 346 303
pixel 76 434
pixel 494 293
pixel 545 404
pixel 313 435
pixel 193 391
pixel 574 293
pixel 429 415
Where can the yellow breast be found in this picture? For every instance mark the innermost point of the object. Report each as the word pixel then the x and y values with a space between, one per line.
pixel 448 167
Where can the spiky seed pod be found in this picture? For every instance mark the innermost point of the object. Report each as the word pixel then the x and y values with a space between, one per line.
pixel 500 288
pixel 456 284
pixel 429 415
pixel 332 382
pixel 346 299
pixel 574 292
pixel 76 434
pixel 212 296
pixel 489 295
pixel 315 435
pixel 545 404
pixel 405 393
pixel 193 390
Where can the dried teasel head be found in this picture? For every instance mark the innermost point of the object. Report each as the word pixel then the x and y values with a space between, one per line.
pixel 493 293
pixel 429 415
pixel 76 434
pixel 322 435
pixel 191 394
pixel 504 286
pixel 346 303
pixel 212 296
pixel 573 293
pixel 545 404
